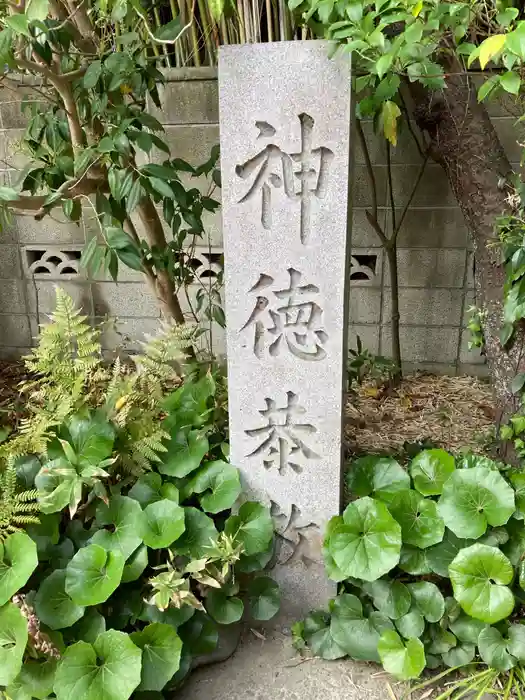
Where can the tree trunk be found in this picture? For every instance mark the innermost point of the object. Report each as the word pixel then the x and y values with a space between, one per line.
pixel 464 142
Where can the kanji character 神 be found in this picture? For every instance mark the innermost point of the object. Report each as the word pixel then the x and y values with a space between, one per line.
pixel 275 168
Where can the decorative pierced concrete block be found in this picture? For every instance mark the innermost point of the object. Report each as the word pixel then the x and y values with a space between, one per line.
pixel 285 125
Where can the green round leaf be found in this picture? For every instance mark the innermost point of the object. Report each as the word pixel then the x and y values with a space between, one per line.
pixel 366 542
pixel 263 598
pixel 467 629
pixel 88 627
pixel 35 680
pixel 185 452
pixel 252 527
pixel 93 574
pixel 53 606
pixel 404 660
pixel 172 616
pixel 414 561
pixel 219 485
pixel 469 461
pixel 517 479
pixel 199 634
pixel 392 598
pixel 224 609
pixel 479 576
pixel 123 522
pixel 13 640
pixel 430 469
pixel 135 564
pixel 495 537
pixel 440 640
pixel 352 632
pixel 428 600
pixel 516 643
pixel 147 489
pixel 163 524
pixel 255 562
pixel 442 555
pixel 421 525
pixel 161 650
pixel 317 633
pixel 199 536
pixel 18 560
pixel 411 625
pixel 109 669
pixel 92 438
pixel 460 655
pixel 380 477
pixel 45 534
pixel 493 649
pixel 473 499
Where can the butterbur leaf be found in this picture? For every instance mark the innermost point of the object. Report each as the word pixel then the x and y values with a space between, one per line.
pixel 185 452
pixel 199 536
pixel 441 640
pixel 352 632
pixel 493 649
pixel 93 574
pixel 163 524
pixel 218 485
pixel 18 560
pixel 414 561
pixel 252 527
pixel 318 635
pixel 35 680
pixel 459 655
pixel 147 489
pixel 428 600
pixel 479 576
pixel 264 598
pixel 13 640
pixel 430 469
pixel 421 525
pixel 380 477
pixel 161 651
pixel 135 564
pixel 411 625
pixel 392 598
pixel 92 438
pixel 53 606
pixel 441 555
pixel 404 660
pixel 125 518
pixel 366 542
pixel 224 609
pixel 110 668
pixel 199 634
pixel 516 643
pixel 517 479
pixel 467 629
pixel 88 627
pixel 473 499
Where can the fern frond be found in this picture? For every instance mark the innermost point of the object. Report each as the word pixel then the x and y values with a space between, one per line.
pixel 17 508
pixel 164 350
pixel 69 348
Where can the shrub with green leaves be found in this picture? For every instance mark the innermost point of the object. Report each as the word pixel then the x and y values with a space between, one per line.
pixel 430 562
pixel 136 561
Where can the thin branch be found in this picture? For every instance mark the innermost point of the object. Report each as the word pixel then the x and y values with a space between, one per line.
pixel 390 185
pixel 369 167
pixel 409 125
pixel 68 190
pixel 411 196
pixel 372 220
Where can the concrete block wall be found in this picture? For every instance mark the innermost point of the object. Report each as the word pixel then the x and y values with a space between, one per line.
pixel 435 257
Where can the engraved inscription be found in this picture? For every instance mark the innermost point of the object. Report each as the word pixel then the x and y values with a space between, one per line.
pixel 273 168
pixel 293 320
pixel 299 539
pixel 281 438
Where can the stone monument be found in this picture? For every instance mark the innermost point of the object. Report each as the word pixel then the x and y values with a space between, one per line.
pixel 285 143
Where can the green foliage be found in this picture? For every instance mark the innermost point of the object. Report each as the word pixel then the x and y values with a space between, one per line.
pixel 428 561
pixel 127 574
pixel 17 508
pixel 363 366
